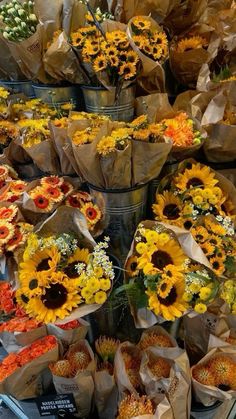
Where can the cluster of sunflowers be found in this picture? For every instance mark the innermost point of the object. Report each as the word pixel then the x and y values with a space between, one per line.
pixel 151 42
pixel 171 282
pixel 84 201
pixel 110 52
pixel 190 43
pixel 13 233
pixel 56 276
pixel 219 371
pixel 194 200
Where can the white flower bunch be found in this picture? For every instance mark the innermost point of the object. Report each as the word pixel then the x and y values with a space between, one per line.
pixel 20 20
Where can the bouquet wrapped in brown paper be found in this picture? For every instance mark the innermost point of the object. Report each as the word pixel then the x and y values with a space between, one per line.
pixel 157 337
pixel 9 68
pixel 190 51
pixel 158 252
pixel 165 372
pixel 184 132
pixel 18 332
pixel 74 374
pixel 70 332
pixel 106 391
pixel 21 373
pixel 142 407
pixel 150 42
pixel 213 378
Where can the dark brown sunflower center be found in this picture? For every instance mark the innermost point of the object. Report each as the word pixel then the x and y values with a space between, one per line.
pixel 188 224
pixel 43 265
pixel 133 266
pixel 194 182
pixel 24 298
pixel 199 237
pixel 70 270
pixel 33 284
pixel 170 299
pixel 160 259
pixel 171 211
pixel 163 286
pixel 216 265
pixel 55 296
pixel 213 241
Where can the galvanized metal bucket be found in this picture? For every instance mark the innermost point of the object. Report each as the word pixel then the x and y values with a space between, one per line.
pixel 20 86
pixel 204 412
pixel 58 95
pixel 124 209
pixel 102 101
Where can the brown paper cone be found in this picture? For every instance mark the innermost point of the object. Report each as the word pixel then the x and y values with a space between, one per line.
pixel 14 341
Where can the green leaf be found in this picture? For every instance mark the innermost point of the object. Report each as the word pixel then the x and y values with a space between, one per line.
pixel 230 264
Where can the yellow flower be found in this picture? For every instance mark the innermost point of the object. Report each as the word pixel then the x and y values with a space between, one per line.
pixel 187 297
pixel 217 265
pixel 200 234
pixel 127 70
pixel 93 285
pixel 141 23
pixel 205 293
pixel 100 63
pixel 197 175
pixel 188 44
pixel 200 308
pixel 140 41
pixel 4 93
pixel 141 248
pixel 198 200
pixel 168 207
pixel 105 284
pixel 132 57
pixel 139 122
pixel 106 145
pixel 194 288
pixel 86 292
pixel 106 348
pixel 77 39
pixel 91 48
pixel 151 236
pixel 215 227
pixel 100 297
pixel 133 406
pixel 207 248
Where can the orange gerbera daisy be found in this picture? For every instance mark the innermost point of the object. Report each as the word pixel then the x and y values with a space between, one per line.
pixel 18 186
pixel 6 232
pixel 91 212
pixel 54 194
pixel 42 202
pixel 17 239
pixel 66 188
pixel 8 213
pixel 52 181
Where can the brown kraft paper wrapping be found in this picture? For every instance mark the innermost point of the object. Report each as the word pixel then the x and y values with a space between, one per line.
pixel 13 341
pixel 71 336
pixel 105 395
pixel 26 382
pixel 61 142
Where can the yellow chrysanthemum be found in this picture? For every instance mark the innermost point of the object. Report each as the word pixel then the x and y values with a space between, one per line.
pixel 139 122
pixel 197 175
pixel 106 145
pixel 188 44
pixel 100 297
pixel 168 207
pixel 200 308
pixel 4 93
pixel 205 293
pixel 58 300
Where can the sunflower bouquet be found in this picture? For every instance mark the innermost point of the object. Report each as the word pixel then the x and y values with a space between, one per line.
pixel 21 372
pixel 213 378
pixel 162 280
pixel 192 191
pixel 74 373
pixel 13 230
pixel 59 278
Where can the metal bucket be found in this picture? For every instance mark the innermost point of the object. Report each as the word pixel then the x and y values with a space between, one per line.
pixel 99 100
pixel 204 412
pixel 58 95
pixel 124 208
pixel 20 86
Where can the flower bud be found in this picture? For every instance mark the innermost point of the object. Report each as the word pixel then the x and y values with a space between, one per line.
pixel 17 20
pixel 11 11
pixel 23 25
pixel 6 35
pixel 21 12
pixel 33 18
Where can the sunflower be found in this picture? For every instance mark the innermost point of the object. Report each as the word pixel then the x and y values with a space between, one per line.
pixel 204 375
pixel 172 305
pixel 215 228
pixel 21 298
pixel 188 44
pixel 132 266
pixel 92 213
pixel 148 49
pixel 140 41
pixel 18 186
pixel 217 265
pixel 200 234
pixel 141 134
pixel 6 231
pixel 207 248
pixel 168 207
pixel 33 284
pixel 159 256
pixel 100 63
pixel 91 48
pixel 45 260
pixel 132 57
pixel 114 61
pixel 127 70
pixel 57 300
pixel 80 256
pixel 198 176
pixel 141 23
pixel 215 240
pixel 156 52
pixel 66 188
pixel 4 172
pixel 8 213
pixel 160 39
pixel 54 194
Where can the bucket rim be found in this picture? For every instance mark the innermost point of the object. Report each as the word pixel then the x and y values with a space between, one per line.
pixel 13 82
pixel 123 190
pixel 54 86
pixel 101 88
pixel 201 408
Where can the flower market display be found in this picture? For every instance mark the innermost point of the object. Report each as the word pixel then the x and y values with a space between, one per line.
pixel 118 208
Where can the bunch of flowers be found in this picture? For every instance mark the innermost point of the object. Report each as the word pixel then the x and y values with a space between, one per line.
pixel 191 43
pixel 8 132
pixel 218 371
pixel 56 276
pixel 151 42
pixel 8 304
pixel 13 233
pixel 75 361
pixel 155 339
pixel 51 190
pixel 12 190
pixel 37 109
pixel 84 202
pixel 228 294
pixel 132 406
pixel 117 140
pixel 20 20
pixel 142 130
pixel 193 191
pixel 7 173
pixel 110 53
pixel 132 356
pixel 160 276
pixel 74 324
pixel 3 101
pixel 14 361
pixel 106 349
pixel 19 324
pixel 229 117
pixel 34 131
pixel 85 136
pixel 216 237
